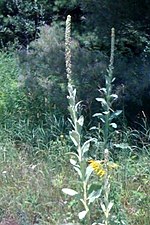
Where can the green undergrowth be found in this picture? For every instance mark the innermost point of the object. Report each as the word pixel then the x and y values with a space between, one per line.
pixel 34 163
pixel 31 187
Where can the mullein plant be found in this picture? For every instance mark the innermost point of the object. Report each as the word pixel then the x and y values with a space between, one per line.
pixel 78 158
pixel 89 191
pixel 107 117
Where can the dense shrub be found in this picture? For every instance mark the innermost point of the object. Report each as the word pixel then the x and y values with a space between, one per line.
pixel 44 79
pixel 20 20
pixel 92 20
pixel 43 72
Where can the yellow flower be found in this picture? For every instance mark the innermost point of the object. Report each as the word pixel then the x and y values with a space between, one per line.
pixel 97 167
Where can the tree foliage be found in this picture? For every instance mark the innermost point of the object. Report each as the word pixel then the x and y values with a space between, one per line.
pixel 20 22
pixel 20 19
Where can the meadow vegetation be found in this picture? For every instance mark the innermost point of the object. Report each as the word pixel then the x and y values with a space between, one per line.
pixel 42 154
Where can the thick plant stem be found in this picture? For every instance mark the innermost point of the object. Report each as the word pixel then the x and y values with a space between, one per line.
pixel 106 186
pixel 75 121
pixel 109 80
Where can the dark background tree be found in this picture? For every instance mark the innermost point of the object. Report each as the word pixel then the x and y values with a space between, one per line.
pixel 20 22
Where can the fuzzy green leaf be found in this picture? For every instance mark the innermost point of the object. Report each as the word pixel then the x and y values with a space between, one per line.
pixel 114 96
pixel 73 162
pixel 110 205
pixel 72 115
pixel 94 187
pixel 88 173
pixel 103 207
pixel 75 137
pixel 94 128
pixel 113 79
pixel 94 195
pixel 73 93
pixel 114 125
pixel 77 105
pixel 102 119
pixel 122 146
pixel 86 146
pixel 115 114
pixel 103 90
pixel 71 121
pixel 81 120
pixel 101 116
pixel 77 169
pixel 102 100
pixel 97 114
pixel 82 214
pixel 69 191
pixel 94 192
pixel 106 112
pixel 80 123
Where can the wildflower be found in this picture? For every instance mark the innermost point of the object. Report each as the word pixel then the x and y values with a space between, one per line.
pixel 97 167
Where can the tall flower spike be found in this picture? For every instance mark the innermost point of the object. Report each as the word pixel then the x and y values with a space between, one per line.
pixel 112 47
pixel 68 48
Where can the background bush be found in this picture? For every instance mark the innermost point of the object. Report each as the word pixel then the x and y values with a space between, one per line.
pixel 43 72
pixel 20 23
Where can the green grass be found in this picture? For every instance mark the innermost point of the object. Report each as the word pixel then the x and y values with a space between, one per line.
pixel 32 188
pixel 136 189
pixel 34 166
